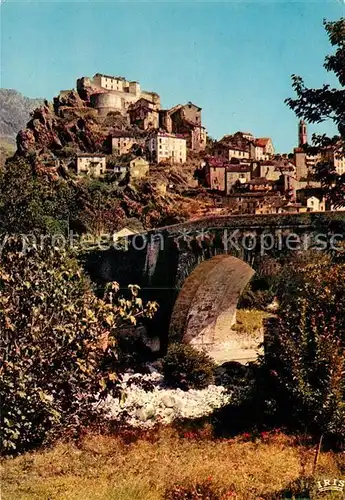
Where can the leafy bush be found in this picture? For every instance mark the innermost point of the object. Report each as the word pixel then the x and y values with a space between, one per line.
pixel 252 408
pixel 187 368
pixel 30 203
pixel 306 346
pixel 56 339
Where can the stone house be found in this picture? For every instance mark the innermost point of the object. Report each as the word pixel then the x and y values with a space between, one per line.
pixel 305 163
pixel 123 142
pixel 138 168
pixel 314 204
pixel 255 203
pixel 222 175
pixel 273 169
pixel 143 114
pixel 239 153
pixel 264 149
pixel 236 174
pixel 215 174
pixel 229 152
pixel 93 164
pixel 295 208
pixel 185 120
pixel 246 135
pixel 336 156
pixel 243 145
pixel 312 198
pixel 164 147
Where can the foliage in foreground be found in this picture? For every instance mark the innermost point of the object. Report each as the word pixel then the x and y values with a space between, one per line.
pixel 187 368
pixel 56 338
pixel 326 103
pixel 31 203
pixel 306 347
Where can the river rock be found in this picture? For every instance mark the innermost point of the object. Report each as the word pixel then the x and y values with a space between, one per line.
pixel 168 401
pixel 146 413
pixel 145 407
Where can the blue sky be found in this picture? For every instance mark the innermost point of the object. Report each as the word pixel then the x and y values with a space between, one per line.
pixel 234 59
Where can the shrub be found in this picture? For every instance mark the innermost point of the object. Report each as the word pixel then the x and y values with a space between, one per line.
pixel 306 347
pixel 56 337
pixel 187 368
pixel 31 203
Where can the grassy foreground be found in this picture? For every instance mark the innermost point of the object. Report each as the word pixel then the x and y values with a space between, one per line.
pixel 106 468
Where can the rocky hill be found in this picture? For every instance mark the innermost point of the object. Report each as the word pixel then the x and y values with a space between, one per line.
pixel 67 126
pixel 15 113
pixel 57 131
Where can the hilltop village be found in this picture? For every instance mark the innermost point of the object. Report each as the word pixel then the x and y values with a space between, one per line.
pixel 111 127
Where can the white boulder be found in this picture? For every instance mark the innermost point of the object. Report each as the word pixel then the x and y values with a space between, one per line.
pixel 138 407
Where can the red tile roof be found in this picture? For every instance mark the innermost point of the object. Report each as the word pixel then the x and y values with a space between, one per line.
pixel 260 181
pixel 166 134
pixel 238 168
pixel 262 142
pixel 91 155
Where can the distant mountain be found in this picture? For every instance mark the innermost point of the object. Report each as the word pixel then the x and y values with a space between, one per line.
pixel 14 113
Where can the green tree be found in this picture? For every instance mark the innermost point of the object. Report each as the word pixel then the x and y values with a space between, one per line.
pixel 56 340
pixel 326 103
pixel 31 203
pixel 306 345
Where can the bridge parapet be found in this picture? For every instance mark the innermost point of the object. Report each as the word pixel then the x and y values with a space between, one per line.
pixel 164 258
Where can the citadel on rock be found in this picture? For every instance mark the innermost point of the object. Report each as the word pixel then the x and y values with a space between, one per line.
pixel 110 126
pixel 143 108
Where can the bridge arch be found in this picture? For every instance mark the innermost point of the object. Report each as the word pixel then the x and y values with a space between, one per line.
pixel 180 263
pixel 205 308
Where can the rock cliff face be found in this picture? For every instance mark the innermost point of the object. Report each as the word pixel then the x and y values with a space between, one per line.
pixel 67 122
pixel 67 126
pixel 59 130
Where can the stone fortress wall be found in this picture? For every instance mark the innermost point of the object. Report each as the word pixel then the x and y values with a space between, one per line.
pixel 115 93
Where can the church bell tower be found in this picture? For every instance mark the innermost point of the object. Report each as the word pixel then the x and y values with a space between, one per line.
pixel 302 134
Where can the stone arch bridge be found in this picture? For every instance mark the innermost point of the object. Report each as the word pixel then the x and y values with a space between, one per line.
pixel 197 270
